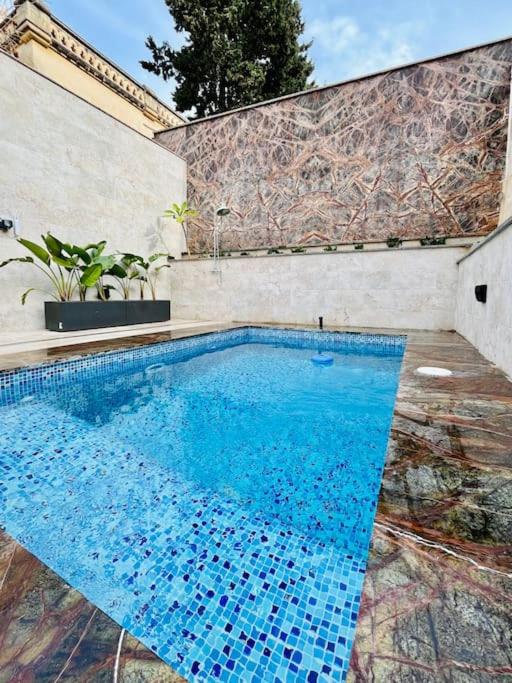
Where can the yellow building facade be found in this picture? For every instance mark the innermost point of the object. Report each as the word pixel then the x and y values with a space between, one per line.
pixel 38 39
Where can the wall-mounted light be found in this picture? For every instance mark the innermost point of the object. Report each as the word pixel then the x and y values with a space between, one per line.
pixel 6 224
pixel 10 226
pixel 481 293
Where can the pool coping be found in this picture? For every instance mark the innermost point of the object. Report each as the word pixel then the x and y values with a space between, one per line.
pixel 398 538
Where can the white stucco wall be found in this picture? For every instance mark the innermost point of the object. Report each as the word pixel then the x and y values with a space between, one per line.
pixel 406 288
pixel 69 168
pixel 488 326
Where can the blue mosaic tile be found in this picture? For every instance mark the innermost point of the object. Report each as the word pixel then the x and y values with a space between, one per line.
pixel 214 495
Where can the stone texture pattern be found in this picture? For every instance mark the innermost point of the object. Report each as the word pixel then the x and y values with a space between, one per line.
pixel 49 632
pixel 411 152
pixel 436 598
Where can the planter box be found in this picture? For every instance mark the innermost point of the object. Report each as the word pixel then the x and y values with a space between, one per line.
pixel 139 312
pixel 90 315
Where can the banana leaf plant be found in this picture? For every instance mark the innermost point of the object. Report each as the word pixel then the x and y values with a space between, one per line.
pixel 180 213
pixel 125 271
pixel 149 271
pixel 66 266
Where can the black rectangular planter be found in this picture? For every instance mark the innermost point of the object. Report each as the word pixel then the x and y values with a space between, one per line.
pixel 90 315
pixel 139 312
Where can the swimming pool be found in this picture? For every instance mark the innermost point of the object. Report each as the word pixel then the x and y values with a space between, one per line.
pixel 214 495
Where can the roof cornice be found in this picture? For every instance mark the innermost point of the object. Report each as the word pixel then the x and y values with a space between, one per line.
pixel 31 20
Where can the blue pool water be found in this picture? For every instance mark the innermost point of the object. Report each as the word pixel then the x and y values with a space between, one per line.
pixel 213 495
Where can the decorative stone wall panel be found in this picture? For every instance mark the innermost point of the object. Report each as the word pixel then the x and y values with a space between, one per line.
pixel 410 152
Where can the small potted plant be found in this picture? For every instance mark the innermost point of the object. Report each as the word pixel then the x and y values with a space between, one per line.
pixel 432 240
pixel 146 310
pixel 393 242
pixel 181 213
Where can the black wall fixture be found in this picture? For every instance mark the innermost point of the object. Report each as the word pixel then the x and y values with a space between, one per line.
pixel 481 293
pixel 6 224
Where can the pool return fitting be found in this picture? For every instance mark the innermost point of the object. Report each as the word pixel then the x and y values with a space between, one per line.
pixel 322 358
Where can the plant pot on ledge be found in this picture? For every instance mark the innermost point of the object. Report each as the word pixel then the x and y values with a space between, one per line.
pixel 90 315
pixel 147 311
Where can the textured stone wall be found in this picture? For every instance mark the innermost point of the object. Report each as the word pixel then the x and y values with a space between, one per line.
pixel 69 168
pixel 414 151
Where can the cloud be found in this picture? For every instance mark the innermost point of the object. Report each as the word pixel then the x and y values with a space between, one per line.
pixel 342 49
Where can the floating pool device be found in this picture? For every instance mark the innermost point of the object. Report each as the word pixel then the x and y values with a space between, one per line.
pixel 322 359
pixel 155 367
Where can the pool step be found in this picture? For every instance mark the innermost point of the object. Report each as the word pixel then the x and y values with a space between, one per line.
pixel 14 342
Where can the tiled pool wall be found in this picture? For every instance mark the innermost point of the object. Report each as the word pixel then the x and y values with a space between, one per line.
pixel 20 383
pixel 260 603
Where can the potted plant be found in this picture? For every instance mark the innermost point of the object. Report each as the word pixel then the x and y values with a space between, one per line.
pixel 72 271
pixel 148 310
pixel 393 242
pixel 432 240
pixel 180 213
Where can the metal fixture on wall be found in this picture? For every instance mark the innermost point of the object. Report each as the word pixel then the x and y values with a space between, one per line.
pixel 9 226
pixel 481 293
pixel 6 224
pixel 220 213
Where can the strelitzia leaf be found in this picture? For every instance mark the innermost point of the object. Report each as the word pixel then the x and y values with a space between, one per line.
pixel 78 251
pixel 64 262
pixel 101 246
pixel 91 275
pixel 106 262
pixel 155 257
pixel 67 249
pixel 37 250
pixel 25 295
pixel 117 271
pixel 129 259
pixel 23 259
pixel 53 245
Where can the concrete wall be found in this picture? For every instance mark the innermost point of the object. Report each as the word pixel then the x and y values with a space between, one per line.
pixel 69 168
pixel 407 288
pixel 488 326
pixel 410 152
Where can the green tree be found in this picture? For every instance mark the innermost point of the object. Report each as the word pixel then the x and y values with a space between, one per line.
pixel 236 52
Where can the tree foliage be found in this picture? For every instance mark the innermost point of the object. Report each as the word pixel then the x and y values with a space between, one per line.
pixel 236 52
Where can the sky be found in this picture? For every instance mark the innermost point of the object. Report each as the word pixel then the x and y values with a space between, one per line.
pixel 350 37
